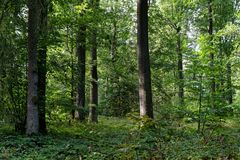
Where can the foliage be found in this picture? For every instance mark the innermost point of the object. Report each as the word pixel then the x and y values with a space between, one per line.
pixel 115 138
pixel 205 127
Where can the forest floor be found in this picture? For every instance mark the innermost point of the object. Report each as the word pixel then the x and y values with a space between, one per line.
pixel 116 138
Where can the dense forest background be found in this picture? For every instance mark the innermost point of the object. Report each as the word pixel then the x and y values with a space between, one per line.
pixel 119 79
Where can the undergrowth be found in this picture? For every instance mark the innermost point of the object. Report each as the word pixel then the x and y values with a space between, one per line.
pixel 115 138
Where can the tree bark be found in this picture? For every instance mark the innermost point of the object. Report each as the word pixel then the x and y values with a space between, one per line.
pixel 180 69
pixel 72 85
pixel 42 68
pixel 200 104
pixel 70 49
pixel 210 32
pixel 229 84
pixel 145 91
pixel 81 53
pixel 229 76
pixel 32 100
pixel 94 75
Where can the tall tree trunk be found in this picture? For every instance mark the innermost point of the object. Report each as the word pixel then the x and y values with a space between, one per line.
pixel 113 41
pixel 94 83
pixel 70 49
pixel 42 69
pixel 145 90
pixel 81 53
pixel 229 84
pixel 200 104
pixel 210 32
pixel 32 106
pixel 220 86
pixel 229 74
pixel 94 75
pixel 72 85
pixel 180 69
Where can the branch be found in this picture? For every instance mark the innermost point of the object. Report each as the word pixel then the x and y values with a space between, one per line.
pixel 168 21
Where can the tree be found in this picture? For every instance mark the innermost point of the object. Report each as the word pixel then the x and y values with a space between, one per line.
pixel 13 83
pixel 145 90
pixel 117 63
pixel 176 22
pixel 42 66
pixel 32 100
pixel 180 68
pixel 210 32
pixel 81 53
pixel 94 75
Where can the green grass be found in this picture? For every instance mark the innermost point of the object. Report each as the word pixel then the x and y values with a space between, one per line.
pixel 115 138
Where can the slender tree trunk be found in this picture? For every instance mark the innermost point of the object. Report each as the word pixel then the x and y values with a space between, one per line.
pixel 220 86
pixel 200 104
pixel 42 69
pixel 113 37
pixel 180 69
pixel 229 76
pixel 81 53
pixel 229 84
pixel 113 41
pixel 72 86
pixel 32 106
pixel 210 32
pixel 145 90
pixel 70 49
pixel 94 75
